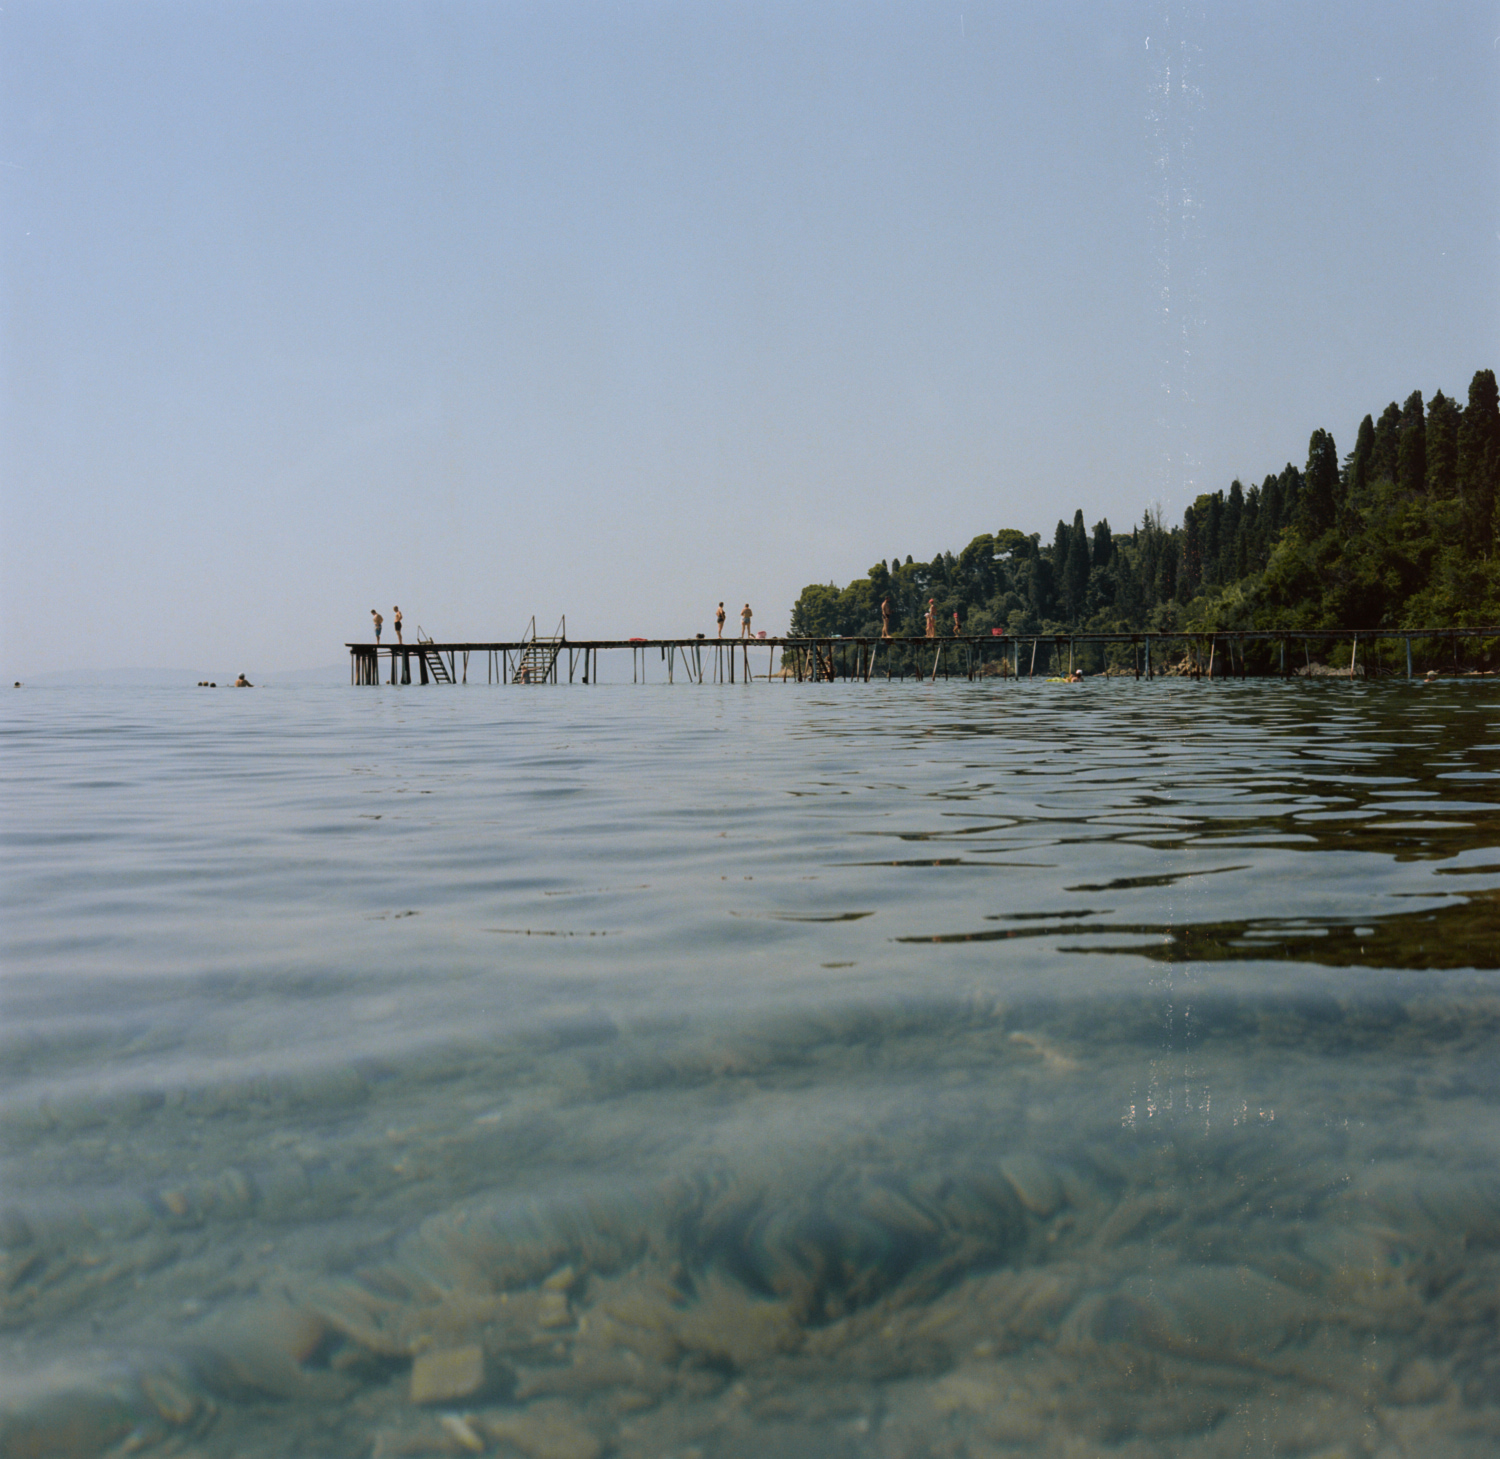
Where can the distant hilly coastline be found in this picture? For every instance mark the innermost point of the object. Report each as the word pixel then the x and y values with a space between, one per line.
pixel 1401 534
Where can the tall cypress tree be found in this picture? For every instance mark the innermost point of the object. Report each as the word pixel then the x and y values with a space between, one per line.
pixel 1234 515
pixel 1250 533
pixel 1146 561
pixel 1479 462
pixel 1318 507
pixel 1387 443
pixel 1076 573
pixel 1357 477
pixel 1041 588
pixel 1188 569
pixel 1270 515
pixel 1128 600
pixel 1442 447
pixel 1104 544
pixel 1166 569
pixel 1290 483
pixel 1062 539
pixel 1411 449
pixel 1213 537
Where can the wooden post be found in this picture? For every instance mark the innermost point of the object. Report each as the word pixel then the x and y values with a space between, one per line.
pixel 1032 673
pixel 1353 654
pixel 1213 644
pixel 1408 658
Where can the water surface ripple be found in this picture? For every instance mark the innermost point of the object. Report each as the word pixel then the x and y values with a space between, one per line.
pixel 888 1070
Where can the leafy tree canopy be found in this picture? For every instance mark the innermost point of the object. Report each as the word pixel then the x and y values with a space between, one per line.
pixel 1401 534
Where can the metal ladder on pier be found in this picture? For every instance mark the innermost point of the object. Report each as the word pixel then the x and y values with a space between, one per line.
pixel 537 661
pixel 432 660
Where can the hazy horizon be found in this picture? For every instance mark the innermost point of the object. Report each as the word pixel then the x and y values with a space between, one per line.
pixel 617 312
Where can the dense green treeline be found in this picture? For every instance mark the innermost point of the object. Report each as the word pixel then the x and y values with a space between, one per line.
pixel 1402 533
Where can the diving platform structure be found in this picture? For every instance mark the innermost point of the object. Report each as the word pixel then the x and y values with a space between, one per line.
pixel 536 659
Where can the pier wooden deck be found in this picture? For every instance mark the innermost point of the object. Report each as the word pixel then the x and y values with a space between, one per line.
pixel 814 660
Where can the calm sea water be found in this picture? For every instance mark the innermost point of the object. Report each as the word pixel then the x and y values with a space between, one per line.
pixel 950 1070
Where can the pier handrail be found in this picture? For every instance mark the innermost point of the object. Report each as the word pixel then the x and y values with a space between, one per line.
pixel 560 636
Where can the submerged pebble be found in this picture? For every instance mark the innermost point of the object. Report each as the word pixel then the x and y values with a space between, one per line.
pixel 543 1432
pixel 443 1374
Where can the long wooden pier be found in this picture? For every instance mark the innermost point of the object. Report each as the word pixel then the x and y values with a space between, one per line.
pixel 814 660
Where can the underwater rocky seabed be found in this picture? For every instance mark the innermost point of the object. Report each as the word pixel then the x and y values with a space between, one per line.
pixel 1220 1186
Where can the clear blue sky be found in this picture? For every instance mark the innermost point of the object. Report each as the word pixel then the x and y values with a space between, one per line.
pixel 620 309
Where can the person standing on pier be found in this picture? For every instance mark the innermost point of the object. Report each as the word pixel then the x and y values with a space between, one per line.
pixel 719 618
pixel 955 623
pixel 396 624
pixel 932 618
pixel 745 621
pixel 885 617
pixel 374 613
